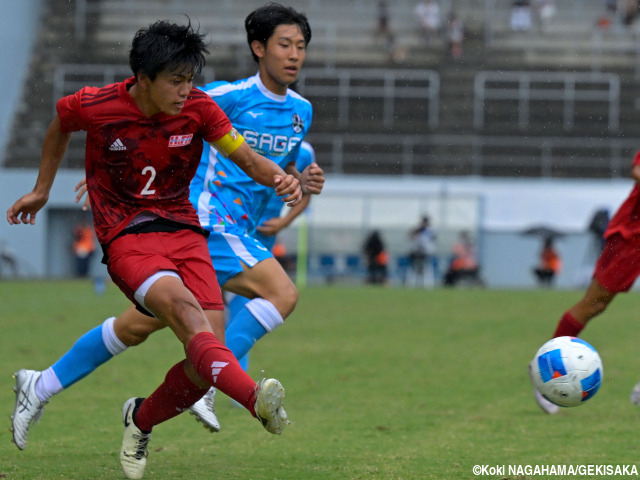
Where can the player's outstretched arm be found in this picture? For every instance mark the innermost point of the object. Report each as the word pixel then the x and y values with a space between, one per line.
pixel 53 150
pixel 267 173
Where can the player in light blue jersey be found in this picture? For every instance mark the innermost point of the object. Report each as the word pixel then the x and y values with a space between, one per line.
pixel 273 119
pixel 274 125
pixel 269 225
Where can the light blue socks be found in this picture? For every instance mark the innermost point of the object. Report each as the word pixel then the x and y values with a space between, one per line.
pixel 252 321
pixel 91 350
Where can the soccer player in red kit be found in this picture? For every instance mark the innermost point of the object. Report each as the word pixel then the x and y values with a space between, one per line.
pixel 616 270
pixel 144 141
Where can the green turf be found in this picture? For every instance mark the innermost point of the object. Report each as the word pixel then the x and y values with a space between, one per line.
pixel 381 383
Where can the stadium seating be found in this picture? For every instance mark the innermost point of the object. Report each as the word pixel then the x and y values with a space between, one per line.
pixel 400 132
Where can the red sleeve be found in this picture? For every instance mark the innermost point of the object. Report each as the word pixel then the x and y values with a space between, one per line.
pixel 69 113
pixel 215 123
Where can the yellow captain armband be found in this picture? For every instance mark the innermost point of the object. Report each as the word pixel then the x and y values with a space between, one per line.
pixel 229 143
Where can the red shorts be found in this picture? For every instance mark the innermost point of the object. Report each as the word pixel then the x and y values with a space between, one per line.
pixel 619 264
pixel 133 258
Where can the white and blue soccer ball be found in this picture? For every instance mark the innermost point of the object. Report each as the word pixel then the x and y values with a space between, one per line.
pixel 567 371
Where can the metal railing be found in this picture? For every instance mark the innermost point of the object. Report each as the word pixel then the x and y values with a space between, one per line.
pixel 68 78
pixel 566 87
pixel 365 83
pixel 476 155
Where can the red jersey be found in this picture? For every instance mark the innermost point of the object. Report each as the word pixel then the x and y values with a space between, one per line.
pixel 135 163
pixel 626 221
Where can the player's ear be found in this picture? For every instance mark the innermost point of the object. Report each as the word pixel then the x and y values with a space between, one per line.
pixel 258 48
pixel 144 81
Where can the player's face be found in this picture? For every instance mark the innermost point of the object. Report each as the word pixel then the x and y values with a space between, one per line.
pixel 169 91
pixel 281 59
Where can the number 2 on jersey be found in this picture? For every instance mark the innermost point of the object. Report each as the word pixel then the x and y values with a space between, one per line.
pixel 152 176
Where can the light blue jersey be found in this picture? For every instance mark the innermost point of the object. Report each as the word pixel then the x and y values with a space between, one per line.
pixel 227 199
pixel 306 157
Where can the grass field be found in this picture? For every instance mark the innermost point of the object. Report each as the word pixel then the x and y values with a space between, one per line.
pixel 381 383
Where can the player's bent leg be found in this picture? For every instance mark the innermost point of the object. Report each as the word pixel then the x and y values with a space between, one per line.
pixel 273 297
pixel 204 409
pixel 209 362
pixel 134 327
pixel 266 279
pixel 172 303
pixel 595 301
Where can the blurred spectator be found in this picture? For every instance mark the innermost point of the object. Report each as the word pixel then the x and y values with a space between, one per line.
pixel 383 26
pixel 377 258
pixel 83 247
pixel 428 15
pixel 629 11
pixel 423 247
pixel 549 264
pixel 544 10
pixel 464 264
pixel 385 33
pixel 603 22
pixel 521 16
pixel 455 35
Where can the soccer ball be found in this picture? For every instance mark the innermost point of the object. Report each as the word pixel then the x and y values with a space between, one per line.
pixel 567 371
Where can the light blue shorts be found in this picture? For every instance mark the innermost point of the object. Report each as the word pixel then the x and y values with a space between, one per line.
pixel 229 251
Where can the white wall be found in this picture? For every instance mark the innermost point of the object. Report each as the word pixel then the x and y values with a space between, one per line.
pixel 507 204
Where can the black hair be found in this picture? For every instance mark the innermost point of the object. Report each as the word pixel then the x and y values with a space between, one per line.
pixel 166 45
pixel 262 22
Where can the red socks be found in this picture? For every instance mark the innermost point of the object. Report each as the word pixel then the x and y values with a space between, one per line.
pixel 568 326
pixel 216 364
pixel 172 397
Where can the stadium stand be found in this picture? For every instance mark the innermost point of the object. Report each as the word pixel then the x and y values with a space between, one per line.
pixel 423 113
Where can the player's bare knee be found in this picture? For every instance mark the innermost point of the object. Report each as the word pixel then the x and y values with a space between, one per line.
pixel 287 299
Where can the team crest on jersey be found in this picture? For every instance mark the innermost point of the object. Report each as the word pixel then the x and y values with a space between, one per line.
pixel 180 140
pixel 297 123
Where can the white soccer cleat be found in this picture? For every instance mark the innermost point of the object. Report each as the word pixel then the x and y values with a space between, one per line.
pixel 134 452
pixel 204 411
pixel 29 407
pixel 546 406
pixel 269 406
pixel 635 394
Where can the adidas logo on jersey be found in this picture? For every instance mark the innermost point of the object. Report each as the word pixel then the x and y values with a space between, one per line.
pixel 117 146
